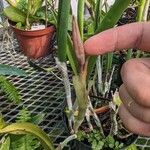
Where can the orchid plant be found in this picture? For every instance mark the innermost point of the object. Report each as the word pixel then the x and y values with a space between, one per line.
pixel 81 64
pixel 70 47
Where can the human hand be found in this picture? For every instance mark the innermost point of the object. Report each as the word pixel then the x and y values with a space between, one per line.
pixel 135 90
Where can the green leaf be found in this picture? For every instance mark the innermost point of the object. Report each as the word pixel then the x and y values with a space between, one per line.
pixel 113 15
pixel 37 119
pixel 98 11
pixel 24 116
pixel 10 90
pixel 10 70
pixel 80 17
pixel 24 142
pixel 81 135
pixel 116 144
pixel 131 147
pixel 2 122
pixel 6 144
pixel 15 14
pixel 22 5
pixel 100 145
pixel 33 6
pixel 24 128
pixel 12 2
pixel 19 25
pixel 79 84
pixel 69 51
pixel 116 99
pixel 62 28
pixel 71 56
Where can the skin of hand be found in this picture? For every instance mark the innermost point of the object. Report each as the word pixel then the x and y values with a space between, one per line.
pixel 135 90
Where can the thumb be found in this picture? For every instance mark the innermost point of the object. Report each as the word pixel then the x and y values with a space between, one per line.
pixel 134 35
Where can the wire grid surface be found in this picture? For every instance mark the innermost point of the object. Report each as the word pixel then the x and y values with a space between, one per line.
pixel 41 93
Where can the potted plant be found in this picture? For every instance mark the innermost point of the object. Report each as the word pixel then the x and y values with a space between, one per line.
pixel 31 22
pixel 70 47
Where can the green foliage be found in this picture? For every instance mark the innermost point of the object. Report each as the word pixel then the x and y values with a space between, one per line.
pixel 24 136
pixel 79 84
pixel 80 17
pixel 15 14
pixel 11 70
pixel 2 122
pixel 113 15
pixel 9 89
pixel 33 6
pixel 62 28
pixel 37 119
pixel 24 142
pixel 22 5
pixel 97 141
pixel 5 145
pixel 6 86
pixel 27 12
pixel 132 147
pixel 81 135
pixel 24 116
pixel 112 143
pixel 29 128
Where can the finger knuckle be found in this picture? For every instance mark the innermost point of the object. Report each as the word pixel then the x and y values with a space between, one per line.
pixel 128 66
pixel 143 96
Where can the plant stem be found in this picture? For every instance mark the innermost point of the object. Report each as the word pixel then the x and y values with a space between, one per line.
pixel 46 13
pixel 142 10
pixel 79 83
pixel 90 9
pixel 142 15
pixel 114 126
pixel 110 80
pixel 106 5
pixel 80 16
pixel 97 14
pixel 129 54
pixel 109 62
pixel 96 119
pixel 98 10
pixel 87 116
pixel 63 68
pixel 99 73
pixel 145 12
pixel 108 68
pixel 65 142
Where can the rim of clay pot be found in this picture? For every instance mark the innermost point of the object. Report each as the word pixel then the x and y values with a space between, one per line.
pixel 47 29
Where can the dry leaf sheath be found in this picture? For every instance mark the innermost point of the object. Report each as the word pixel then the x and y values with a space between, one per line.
pixel 78 43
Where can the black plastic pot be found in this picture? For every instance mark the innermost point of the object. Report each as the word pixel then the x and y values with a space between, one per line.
pixel 77 145
pixel 74 144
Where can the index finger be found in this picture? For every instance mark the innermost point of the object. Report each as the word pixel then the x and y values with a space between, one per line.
pixel 134 35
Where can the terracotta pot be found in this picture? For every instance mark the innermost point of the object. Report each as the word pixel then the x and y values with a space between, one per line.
pixel 37 43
